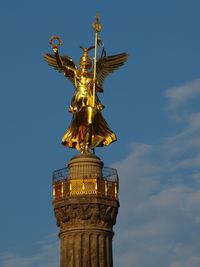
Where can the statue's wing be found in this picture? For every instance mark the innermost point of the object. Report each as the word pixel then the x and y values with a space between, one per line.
pixel 67 61
pixel 107 65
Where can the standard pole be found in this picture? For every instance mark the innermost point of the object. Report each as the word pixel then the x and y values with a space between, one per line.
pixel 97 28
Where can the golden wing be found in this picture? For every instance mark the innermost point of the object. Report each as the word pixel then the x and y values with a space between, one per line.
pixel 107 65
pixel 66 61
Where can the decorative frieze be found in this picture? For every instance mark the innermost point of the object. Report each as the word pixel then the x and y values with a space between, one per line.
pixel 86 214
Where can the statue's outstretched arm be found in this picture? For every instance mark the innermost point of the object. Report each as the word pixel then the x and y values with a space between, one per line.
pixel 60 63
pixel 59 60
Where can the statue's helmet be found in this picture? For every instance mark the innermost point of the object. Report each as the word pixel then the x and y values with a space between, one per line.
pixel 85 60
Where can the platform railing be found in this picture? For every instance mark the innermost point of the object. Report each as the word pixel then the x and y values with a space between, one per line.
pixel 105 186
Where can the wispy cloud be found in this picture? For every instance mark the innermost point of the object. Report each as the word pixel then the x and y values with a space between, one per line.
pixel 178 96
pixel 46 256
pixel 159 219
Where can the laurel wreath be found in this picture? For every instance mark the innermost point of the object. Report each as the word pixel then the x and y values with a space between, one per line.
pixel 53 44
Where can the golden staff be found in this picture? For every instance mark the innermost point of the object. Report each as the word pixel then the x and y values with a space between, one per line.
pixel 97 28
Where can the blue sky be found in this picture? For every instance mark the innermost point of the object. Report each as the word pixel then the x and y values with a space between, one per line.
pixel 152 104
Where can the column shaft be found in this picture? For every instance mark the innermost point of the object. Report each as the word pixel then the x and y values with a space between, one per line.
pixel 86 249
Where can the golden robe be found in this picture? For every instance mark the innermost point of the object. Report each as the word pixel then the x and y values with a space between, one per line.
pixel 87 119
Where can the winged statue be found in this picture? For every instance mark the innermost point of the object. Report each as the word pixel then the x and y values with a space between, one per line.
pixel 88 128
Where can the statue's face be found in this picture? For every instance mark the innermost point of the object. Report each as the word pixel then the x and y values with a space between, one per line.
pixel 85 63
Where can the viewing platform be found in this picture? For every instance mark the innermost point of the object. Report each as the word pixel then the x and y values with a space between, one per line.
pixel 103 183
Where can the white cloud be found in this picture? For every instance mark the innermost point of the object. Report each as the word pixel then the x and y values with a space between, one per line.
pixel 157 224
pixel 178 96
pixel 159 218
pixel 46 256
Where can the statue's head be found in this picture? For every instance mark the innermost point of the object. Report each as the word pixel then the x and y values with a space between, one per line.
pixel 85 61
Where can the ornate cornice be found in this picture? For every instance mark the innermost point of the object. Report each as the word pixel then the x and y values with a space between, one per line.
pixel 79 215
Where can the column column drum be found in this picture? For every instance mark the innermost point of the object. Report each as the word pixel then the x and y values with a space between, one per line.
pixel 86 217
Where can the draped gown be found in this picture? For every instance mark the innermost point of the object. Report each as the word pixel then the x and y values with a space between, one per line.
pixel 86 118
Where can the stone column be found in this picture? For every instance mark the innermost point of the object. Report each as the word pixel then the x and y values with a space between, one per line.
pixel 86 217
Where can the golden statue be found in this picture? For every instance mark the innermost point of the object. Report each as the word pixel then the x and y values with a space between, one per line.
pixel 88 128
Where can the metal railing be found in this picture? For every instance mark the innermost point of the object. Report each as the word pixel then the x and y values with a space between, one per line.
pixel 108 174
pixel 105 186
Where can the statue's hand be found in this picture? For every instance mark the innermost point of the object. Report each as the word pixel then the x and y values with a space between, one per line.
pixel 55 49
